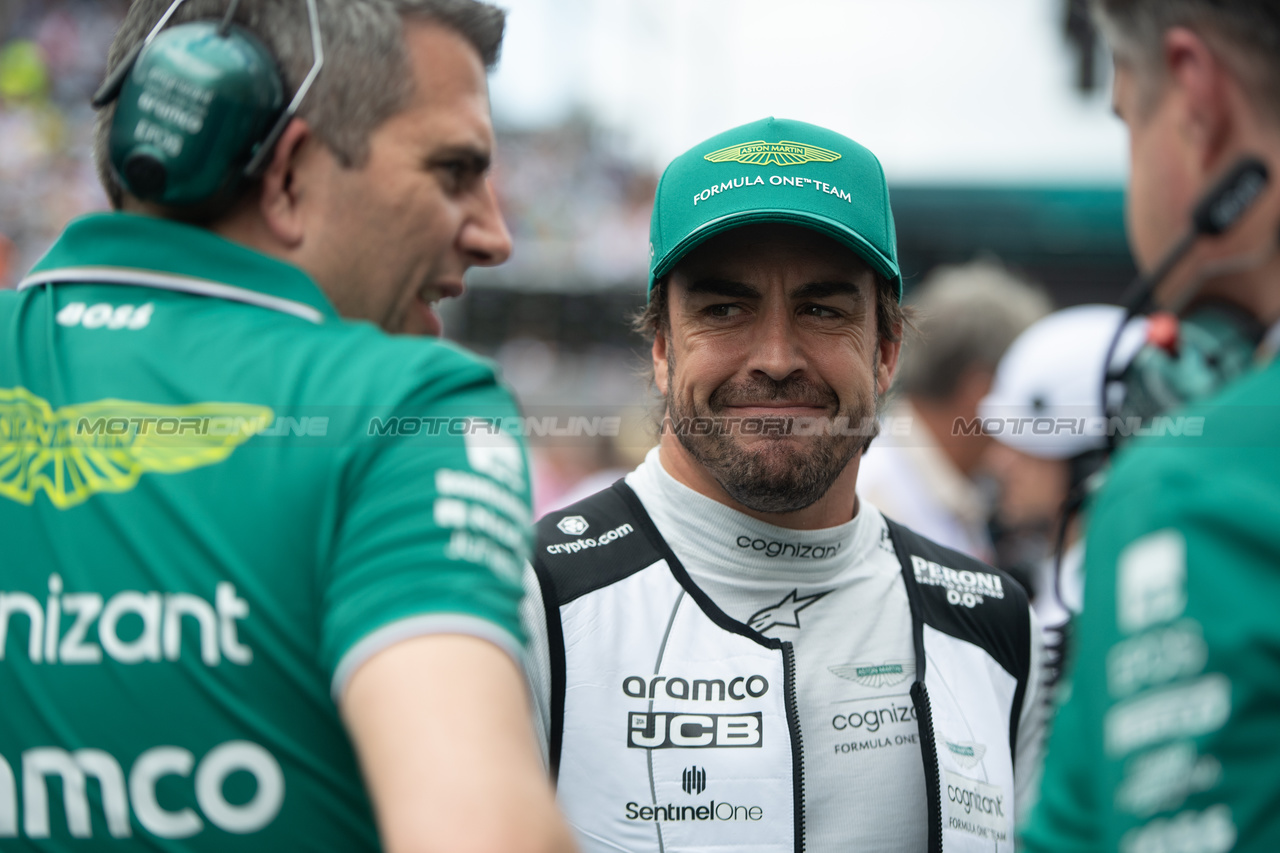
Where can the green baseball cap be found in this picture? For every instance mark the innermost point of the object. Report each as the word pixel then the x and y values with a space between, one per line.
pixel 774 170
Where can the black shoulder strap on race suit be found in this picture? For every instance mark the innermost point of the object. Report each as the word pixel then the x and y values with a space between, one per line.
pixel 569 564
pixel 1000 625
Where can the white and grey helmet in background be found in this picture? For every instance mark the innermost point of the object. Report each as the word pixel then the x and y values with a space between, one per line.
pixel 1045 407
pixel 1045 400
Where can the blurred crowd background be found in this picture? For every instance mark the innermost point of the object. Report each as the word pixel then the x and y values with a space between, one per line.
pixel 992 118
pixel 51 60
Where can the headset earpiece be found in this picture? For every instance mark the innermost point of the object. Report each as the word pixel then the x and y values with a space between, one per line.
pixel 191 112
pixel 1188 359
pixel 1193 358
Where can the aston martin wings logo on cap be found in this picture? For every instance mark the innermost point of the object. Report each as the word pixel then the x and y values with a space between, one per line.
pixel 761 153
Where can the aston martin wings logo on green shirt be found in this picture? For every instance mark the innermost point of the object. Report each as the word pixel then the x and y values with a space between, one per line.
pixel 76 452
pixel 761 153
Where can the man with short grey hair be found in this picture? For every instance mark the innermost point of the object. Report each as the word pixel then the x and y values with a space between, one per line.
pixel 261 568
pixel 1166 739
pixel 921 472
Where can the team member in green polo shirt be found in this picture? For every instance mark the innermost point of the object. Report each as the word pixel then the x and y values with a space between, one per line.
pixel 260 566
pixel 1167 741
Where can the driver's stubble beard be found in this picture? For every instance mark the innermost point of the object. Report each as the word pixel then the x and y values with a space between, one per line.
pixel 782 473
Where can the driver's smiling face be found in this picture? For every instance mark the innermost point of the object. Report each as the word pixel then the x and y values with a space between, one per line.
pixel 770 323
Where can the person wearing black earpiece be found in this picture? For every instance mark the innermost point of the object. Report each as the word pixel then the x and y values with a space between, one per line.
pixel 1166 738
pixel 260 536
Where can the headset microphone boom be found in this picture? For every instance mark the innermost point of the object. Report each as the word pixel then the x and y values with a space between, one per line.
pixel 1190 359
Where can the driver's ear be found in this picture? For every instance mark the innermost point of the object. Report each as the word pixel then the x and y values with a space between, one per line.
pixel 662 336
pixel 660 361
pixel 887 367
pixel 888 341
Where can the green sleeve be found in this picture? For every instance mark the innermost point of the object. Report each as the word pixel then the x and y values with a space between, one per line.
pixel 1159 744
pixel 434 528
pixel 1068 816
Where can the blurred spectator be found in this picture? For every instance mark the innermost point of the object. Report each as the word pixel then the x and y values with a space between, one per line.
pixel 1045 414
pixel 966 316
pixel 578 210
pixel 575 470
pixel 6 258
pixel 51 55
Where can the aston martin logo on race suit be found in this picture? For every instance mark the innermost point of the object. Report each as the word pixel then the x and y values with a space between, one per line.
pixel 875 675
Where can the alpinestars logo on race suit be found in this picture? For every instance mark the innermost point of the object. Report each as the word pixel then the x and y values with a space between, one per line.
pixel 785 614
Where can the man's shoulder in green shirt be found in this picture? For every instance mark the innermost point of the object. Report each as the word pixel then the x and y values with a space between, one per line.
pixel 219 499
pixel 1164 740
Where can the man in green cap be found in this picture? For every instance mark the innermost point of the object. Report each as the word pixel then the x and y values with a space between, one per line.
pixel 728 650
pixel 260 575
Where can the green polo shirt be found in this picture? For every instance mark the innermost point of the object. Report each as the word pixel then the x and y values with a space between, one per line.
pixel 1166 738
pixel 217 499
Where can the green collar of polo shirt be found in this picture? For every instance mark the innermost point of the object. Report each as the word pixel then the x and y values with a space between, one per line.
pixel 123 248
